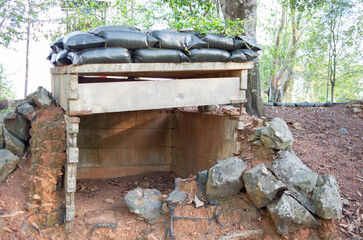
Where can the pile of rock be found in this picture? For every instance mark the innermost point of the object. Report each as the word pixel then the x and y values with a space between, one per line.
pixel 292 193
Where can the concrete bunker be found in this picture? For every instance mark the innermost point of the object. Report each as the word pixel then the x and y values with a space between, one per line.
pixel 113 129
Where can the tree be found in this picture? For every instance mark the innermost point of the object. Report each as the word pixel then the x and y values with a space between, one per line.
pixel 247 12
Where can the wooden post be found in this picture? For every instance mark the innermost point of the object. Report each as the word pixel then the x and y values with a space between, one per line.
pixel 71 170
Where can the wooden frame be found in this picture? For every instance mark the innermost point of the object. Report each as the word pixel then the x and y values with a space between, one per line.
pixel 188 84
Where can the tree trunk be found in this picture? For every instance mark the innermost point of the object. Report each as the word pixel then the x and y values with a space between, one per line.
pixel 247 11
pixel 27 52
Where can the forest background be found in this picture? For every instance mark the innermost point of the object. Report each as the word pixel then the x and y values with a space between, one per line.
pixel 311 50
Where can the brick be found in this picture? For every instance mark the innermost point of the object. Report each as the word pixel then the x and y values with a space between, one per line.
pixel 51 160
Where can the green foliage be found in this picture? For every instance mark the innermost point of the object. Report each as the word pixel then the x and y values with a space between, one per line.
pixel 5 86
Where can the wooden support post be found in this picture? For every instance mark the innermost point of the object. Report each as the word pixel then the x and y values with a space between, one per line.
pixel 71 170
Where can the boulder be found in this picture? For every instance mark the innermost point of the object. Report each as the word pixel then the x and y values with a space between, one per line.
pixel 8 162
pixel 224 178
pixel 289 216
pixel 41 97
pixel 19 127
pixel 326 199
pixel 176 197
pixel 277 135
pixel 144 202
pixel 208 108
pixel 295 172
pixel 26 110
pixel 261 185
pixel 13 144
pixel 11 114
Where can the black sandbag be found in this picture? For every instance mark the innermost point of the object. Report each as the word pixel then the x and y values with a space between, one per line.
pixel 128 39
pixel 243 55
pixel 81 40
pixel 53 59
pixel 156 55
pixel 96 31
pixel 247 43
pixel 57 45
pixel 209 55
pixel 100 55
pixel 61 59
pixel 176 40
pixel 219 41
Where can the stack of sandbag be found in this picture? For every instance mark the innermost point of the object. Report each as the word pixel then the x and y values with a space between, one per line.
pixel 124 44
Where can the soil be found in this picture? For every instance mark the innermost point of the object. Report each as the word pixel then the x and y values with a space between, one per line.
pixel 102 213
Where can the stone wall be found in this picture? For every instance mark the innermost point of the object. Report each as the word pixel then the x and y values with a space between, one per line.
pixel 47 145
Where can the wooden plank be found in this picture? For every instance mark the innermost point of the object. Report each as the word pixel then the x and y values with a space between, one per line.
pixel 120 69
pixel 129 96
pixel 119 171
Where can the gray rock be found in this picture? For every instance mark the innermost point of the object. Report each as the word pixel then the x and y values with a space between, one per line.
pixel 356 110
pixel 13 144
pixel 295 172
pixel 41 97
pixel 343 130
pixel 8 162
pixel 326 199
pixel 202 176
pixel 289 216
pixel 345 202
pixel 256 135
pixel 26 110
pixel 261 185
pixel 176 197
pixel 144 202
pixel 19 127
pixel 224 178
pixel 319 181
pixel 277 135
pixel 208 108
pixel 11 114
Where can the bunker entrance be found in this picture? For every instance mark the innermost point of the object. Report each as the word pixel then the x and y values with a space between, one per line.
pixel 114 145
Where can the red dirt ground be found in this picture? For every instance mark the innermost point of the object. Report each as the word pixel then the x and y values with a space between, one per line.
pixel 319 144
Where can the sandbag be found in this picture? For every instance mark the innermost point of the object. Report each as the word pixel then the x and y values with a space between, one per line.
pixel 176 40
pixel 247 43
pixel 209 55
pixel 96 31
pixel 156 55
pixel 57 45
pixel 100 55
pixel 61 58
pixel 219 41
pixel 243 55
pixel 81 40
pixel 128 39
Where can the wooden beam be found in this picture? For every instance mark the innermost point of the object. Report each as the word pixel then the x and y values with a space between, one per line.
pixel 130 96
pixel 120 69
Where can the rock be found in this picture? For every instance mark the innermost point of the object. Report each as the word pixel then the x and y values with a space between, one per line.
pixel 256 135
pixel 176 197
pixel 197 202
pixel 208 108
pixel 202 176
pixel 19 127
pixel 151 237
pixel 13 144
pixel 319 181
pixel 109 201
pixel 261 185
pixel 345 202
pixel 326 199
pixel 26 110
pixel 165 208
pixel 295 172
pixel 343 130
pixel 356 110
pixel 297 126
pixel 224 178
pixel 41 97
pixel 8 162
pixel 289 216
pixel 277 135
pixel 144 202
pixel 11 114
pixel 2 139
